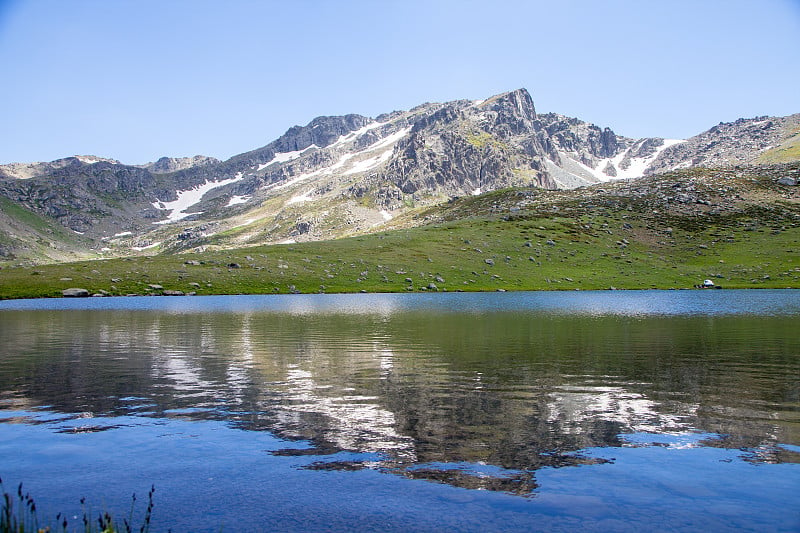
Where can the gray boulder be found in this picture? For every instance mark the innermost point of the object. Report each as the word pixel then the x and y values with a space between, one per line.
pixel 75 293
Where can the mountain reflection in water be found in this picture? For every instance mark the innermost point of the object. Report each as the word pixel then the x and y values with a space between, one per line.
pixel 475 399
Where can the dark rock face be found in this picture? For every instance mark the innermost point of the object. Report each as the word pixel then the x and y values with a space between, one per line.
pixel 587 142
pixel 321 132
pixel 463 148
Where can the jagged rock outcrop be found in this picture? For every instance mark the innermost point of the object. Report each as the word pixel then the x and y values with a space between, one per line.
pixel 165 165
pixel 468 147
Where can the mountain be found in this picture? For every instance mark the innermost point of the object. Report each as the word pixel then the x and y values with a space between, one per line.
pixel 743 142
pixel 165 165
pixel 342 175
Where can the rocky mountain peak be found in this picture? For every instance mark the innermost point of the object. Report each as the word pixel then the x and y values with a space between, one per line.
pixel 516 103
pixel 509 114
pixel 166 165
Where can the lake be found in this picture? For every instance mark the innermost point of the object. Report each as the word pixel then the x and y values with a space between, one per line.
pixel 563 411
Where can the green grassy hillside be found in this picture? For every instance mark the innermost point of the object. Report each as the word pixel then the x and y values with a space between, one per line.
pixel 788 150
pixel 739 228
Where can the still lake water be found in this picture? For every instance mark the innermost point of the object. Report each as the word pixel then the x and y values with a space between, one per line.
pixel 598 411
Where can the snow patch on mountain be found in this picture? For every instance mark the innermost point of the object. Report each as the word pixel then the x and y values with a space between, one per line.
pixel 186 199
pixel 389 139
pixel 636 165
pixel 300 198
pixel 284 157
pixel 361 165
pixel 148 247
pixel 353 135
pixel 368 164
pixel 236 200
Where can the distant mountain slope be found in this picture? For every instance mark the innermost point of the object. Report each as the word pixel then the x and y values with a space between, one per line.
pixel 34 170
pixel 345 175
pixel 745 141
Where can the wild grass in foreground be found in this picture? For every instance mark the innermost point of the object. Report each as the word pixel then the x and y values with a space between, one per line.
pixel 19 515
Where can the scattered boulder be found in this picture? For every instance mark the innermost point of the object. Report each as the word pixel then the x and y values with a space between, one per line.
pixel 489 262
pixel 791 182
pixel 75 293
pixel 173 293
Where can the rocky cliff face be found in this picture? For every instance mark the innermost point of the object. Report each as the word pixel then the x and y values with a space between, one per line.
pixel 468 147
pixel 346 175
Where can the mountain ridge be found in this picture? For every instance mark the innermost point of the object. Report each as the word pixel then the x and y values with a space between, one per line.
pixel 343 175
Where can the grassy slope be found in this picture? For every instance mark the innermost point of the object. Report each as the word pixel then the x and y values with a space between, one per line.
pixel 603 238
pixel 39 237
pixel 788 150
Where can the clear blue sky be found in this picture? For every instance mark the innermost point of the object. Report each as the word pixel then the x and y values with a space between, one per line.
pixel 136 80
